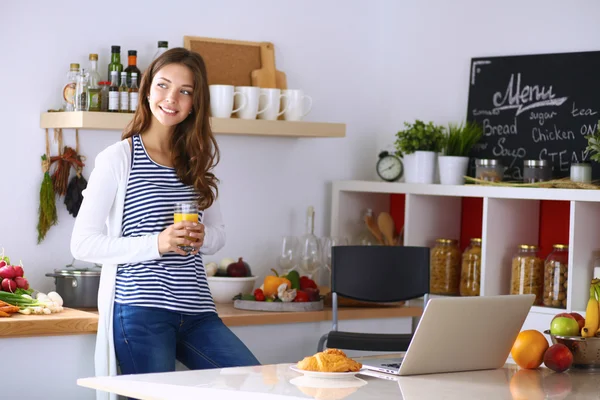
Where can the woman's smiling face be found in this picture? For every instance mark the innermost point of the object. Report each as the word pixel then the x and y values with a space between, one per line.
pixel 171 94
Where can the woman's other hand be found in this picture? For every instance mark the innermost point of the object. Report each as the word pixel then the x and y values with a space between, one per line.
pixel 184 233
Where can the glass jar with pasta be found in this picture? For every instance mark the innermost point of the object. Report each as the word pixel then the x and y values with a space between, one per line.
pixel 445 267
pixel 470 275
pixel 556 277
pixel 527 275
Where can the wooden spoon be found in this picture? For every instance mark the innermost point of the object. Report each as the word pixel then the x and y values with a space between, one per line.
pixel 372 226
pixel 387 227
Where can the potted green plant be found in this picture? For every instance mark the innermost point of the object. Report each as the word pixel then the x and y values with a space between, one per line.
pixel 418 144
pixel 457 144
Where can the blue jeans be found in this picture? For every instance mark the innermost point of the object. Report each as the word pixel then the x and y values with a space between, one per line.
pixel 150 339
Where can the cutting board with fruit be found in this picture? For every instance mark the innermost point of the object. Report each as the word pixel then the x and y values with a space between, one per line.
pixel 290 292
pixel 278 306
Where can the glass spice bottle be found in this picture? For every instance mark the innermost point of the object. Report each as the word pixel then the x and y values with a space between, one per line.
pixel 470 276
pixel 104 85
pixel 445 267
pixel 94 88
pixel 133 93
pixel 113 92
pixel 527 275
pixel 556 277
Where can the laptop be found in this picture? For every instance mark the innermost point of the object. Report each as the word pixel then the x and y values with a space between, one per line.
pixel 460 334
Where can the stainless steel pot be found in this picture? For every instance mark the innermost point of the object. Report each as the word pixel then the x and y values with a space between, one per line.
pixel 77 286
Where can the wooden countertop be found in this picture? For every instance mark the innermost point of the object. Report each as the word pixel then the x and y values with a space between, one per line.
pixel 77 322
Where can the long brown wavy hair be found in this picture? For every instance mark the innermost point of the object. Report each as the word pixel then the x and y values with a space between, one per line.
pixel 194 148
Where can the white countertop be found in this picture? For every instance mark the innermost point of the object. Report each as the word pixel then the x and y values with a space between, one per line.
pixel 280 382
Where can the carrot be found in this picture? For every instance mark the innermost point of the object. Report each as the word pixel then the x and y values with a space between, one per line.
pixel 9 309
pixel 3 314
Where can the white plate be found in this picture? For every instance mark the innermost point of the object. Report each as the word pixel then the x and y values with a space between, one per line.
pixel 324 375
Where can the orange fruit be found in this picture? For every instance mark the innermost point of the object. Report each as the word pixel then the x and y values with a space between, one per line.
pixel 529 348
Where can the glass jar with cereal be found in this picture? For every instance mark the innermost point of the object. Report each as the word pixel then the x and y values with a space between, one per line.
pixel 471 269
pixel 527 273
pixel 556 277
pixel 445 267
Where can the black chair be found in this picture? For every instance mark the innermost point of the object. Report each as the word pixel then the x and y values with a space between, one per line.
pixel 375 274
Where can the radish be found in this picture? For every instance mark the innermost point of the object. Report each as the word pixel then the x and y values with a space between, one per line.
pixel 8 285
pixel 2 263
pixel 22 282
pixel 8 272
pixel 18 270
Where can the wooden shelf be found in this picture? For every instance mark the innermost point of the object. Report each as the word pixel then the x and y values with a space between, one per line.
pixel 222 126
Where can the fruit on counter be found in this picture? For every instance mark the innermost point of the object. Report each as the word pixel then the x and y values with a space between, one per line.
pixel 580 320
pixel 272 283
pixel 563 326
pixel 259 295
pixel 223 264
pixel 529 348
pixel 238 269
pixel 306 282
pixel 592 312
pixel 211 268
pixel 313 294
pixel 558 357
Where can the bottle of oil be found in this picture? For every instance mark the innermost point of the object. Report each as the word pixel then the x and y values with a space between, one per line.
pixel 94 89
pixel 132 67
pixel 115 62
pixel 123 94
pixel 113 92
pixel 133 92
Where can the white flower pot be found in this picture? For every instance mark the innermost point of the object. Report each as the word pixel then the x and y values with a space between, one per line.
pixel 419 167
pixel 453 169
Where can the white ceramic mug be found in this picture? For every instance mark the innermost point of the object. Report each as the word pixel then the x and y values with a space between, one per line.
pixel 296 102
pixel 253 95
pixel 271 101
pixel 221 100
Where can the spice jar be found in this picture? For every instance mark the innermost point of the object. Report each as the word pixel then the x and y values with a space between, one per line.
pixel 527 273
pixel 445 267
pixel 536 171
pixel 556 277
pixel 489 170
pixel 471 269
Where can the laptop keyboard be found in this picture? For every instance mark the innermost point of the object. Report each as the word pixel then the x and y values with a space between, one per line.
pixel 392 365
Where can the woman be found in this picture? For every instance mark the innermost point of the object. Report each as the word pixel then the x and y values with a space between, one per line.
pixel 154 303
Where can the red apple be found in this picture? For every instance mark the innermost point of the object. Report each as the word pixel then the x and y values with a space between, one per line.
pixel 580 320
pixel 558 357
pixel 566 315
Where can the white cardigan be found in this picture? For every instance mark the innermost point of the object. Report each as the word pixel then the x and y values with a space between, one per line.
pixel 102 207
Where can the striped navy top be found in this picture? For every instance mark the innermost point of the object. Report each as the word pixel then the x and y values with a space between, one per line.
pixel 174 282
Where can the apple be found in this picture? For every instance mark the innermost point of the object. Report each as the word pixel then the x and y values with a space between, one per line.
pixel 566 315
pixel 564 326
pixel 558 357
pixel 579 319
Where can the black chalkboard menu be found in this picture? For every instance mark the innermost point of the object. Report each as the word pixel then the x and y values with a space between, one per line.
pixel 535 107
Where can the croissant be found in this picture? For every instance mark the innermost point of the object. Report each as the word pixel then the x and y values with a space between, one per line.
pixel 330 360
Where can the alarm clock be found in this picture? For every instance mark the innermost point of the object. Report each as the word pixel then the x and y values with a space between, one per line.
pixel 389 167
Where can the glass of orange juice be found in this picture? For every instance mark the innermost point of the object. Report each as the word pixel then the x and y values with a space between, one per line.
pixel 186 211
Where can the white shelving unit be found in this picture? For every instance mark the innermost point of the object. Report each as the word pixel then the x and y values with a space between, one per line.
pixel 511 216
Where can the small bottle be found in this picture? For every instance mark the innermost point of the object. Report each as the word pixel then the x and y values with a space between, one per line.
pixel 115 62
pixel 310 247
pixel 123 94
pixel 132 66
pixel 94 85
pixel 113 92
pixel 68 92
pixel 82 102
pixel 133 92
pixel 104 85
pixel 162 47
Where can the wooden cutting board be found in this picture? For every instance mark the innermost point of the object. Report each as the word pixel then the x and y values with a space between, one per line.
pixel 278 306
pixel 268 76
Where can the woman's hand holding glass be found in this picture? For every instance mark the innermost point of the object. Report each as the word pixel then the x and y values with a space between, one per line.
pixel 184 237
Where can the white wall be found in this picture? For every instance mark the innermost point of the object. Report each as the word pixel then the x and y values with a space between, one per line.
pixel 429 45
pixel 330 51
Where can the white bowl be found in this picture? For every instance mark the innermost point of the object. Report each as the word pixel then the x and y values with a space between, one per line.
pixel 224 288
